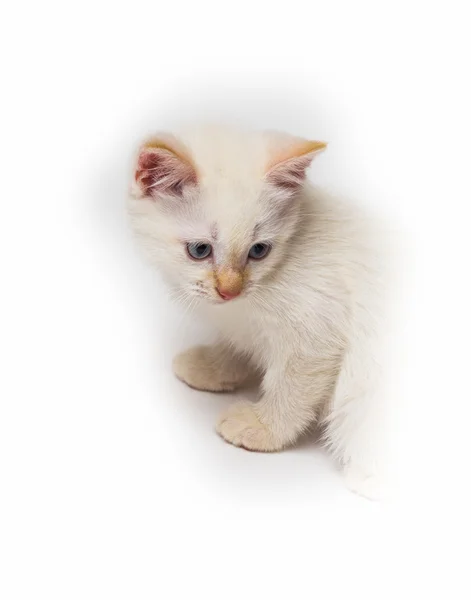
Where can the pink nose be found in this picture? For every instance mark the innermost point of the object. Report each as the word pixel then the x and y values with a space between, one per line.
pixel 226 295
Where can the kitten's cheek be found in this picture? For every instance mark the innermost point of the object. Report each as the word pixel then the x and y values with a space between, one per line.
pixel 209 282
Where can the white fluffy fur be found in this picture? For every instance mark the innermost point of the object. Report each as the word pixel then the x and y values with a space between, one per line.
pixel 308 319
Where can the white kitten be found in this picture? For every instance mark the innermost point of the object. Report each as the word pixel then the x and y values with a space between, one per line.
pixel 289 276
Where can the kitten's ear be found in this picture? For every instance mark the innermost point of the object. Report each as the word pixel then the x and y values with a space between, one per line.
pixel 287 169
pixel 163 168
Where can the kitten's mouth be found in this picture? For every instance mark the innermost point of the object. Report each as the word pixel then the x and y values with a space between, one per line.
pixel 220 301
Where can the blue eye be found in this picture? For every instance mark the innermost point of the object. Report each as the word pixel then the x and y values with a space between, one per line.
pixel 259 251
pixel 199 250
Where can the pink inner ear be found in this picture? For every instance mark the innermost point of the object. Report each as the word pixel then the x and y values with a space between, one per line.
pixel 287 169
pixel 161 171
pixel 291 173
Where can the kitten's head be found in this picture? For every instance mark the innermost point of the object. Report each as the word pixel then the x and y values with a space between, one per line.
pixel 215 210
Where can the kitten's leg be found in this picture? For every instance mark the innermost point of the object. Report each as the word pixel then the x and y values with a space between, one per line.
pixel 292 391
pixel 352 434
pixel 211 368
pixel 355 426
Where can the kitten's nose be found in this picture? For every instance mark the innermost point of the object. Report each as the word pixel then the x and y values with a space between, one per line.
pixel 226 295
pixel 229 283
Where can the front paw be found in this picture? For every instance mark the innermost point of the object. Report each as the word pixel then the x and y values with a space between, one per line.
pixel 241 426
pixel 198 369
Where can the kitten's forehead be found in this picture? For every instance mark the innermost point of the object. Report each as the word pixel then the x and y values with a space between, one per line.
pixel 232 208
pixel 233 213
pixel 234 203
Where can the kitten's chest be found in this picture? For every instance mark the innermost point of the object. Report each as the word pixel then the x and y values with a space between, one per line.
pixel 247 330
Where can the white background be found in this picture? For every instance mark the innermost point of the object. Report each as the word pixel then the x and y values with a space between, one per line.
pixel 113 483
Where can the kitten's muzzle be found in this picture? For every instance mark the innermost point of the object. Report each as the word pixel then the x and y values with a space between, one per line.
pixel 229 283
